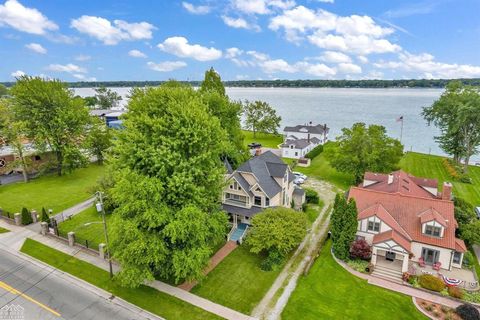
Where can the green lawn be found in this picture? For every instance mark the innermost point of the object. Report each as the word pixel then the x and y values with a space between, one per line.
pixel 429 166
pixel 267 140
pixel 331 292
pixel 3 230
pixel 321 169
pixel 50 191
pixel 145 297
pixel 93 232
pixel 313 211
pixel 237 282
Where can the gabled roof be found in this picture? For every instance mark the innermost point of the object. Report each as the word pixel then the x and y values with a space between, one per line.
pixel 228 166
pixel 298 143
pixel 405 209
pixel 243 183
pixel 265 167
pixel 394 236
pixel 379 211
pixel 460 245
pixel 315 140
pixel 432 215
pixel 401 182
pixel 318 129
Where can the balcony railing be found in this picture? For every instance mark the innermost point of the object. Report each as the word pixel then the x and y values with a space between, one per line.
pixel 237 203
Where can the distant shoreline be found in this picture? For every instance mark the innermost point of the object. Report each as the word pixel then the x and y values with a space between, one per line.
pixel 381 84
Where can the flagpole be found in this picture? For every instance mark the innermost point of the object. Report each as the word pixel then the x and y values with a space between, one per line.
pixel 401 131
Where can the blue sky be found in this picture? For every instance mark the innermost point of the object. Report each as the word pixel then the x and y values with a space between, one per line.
pixel 242 39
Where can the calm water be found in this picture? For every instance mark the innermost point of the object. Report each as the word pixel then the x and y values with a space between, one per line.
pixel 341 108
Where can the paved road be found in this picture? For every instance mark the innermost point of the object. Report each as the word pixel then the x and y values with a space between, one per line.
pixel 44 295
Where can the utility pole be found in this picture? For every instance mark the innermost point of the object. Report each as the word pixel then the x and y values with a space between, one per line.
pixel 101 209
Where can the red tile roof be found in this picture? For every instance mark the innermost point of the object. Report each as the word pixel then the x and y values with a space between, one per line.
pixel 395 236
pixel 460 245
pixel 402 182
pixel 379 211
pixel 406 209
pixel 432 215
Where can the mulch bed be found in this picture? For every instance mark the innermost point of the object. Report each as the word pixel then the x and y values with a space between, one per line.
pixel 437 311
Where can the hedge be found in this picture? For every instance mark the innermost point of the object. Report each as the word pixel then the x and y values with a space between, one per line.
pixel 431 282
pixel 314 152
pixel 311 196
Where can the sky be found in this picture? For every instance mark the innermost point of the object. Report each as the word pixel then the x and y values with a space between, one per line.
pixel 242 39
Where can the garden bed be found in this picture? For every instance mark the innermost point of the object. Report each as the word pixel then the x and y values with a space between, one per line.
pixel 436 311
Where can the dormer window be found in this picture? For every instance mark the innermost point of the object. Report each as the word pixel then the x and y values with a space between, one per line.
pixel 374 226
pixel 433 230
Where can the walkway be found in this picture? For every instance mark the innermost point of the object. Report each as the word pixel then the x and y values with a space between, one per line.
pixel 214 261
pixel 76 209
pixel 17 236
pixel 476 248
pixel 409 291
pixel 272 305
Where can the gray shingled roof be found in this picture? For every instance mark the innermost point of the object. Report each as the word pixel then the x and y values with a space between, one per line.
pixel 315 140
pixel 299 143
pixel 228 166
pixel 265 166
pixel 243 183
pixel 298 192
pixel 310 129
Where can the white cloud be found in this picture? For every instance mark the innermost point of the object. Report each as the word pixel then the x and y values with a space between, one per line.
pixel 17 74
pixel 361 44
pixel 251 6
pixel 195 9
pixel 349 68
pixel 326 1
pixel 258 55
pixel 362 59
pixel 277 65
pixel 82 57
pixel 180 47
pixel 166 66
pixel 136 54
pixel 238 23
pixel 82 77
pixel 19 17
pixel 335 57
pixel 317 69
pixel 111 34
pixel 232 52
pixel 70 68
pixel 242 76
pixel 36 47
pixel 426 65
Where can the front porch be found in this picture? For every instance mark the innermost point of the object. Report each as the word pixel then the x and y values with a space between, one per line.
pixel 467 277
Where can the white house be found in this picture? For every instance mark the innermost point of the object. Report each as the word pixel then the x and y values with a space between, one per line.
pixel 301 139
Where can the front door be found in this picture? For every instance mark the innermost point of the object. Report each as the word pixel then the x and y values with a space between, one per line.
pixel 390 256
pixel 430 256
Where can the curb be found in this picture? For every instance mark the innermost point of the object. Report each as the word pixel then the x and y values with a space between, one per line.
pixel 414 300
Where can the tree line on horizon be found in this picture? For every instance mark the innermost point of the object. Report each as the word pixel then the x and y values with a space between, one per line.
pixel 374 83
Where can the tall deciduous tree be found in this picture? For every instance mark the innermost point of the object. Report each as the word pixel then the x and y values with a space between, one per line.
pixel 277 231
pixel 212 83
pixel 261 117
pixel 107 98
pixel 168 175
pixel 363 148
pixel 3 90
pixel 54 119
pixel 457 115
pixel 12 132
pixel 99 139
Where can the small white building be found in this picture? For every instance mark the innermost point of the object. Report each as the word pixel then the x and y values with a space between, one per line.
pixel 297 148
pixel 308 132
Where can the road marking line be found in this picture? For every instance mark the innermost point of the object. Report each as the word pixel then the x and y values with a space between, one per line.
pixel 15 291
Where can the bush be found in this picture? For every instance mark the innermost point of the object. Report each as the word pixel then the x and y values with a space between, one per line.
pixel 311 196
pixel 358 265
pixel 431 282
pixel 361 249
pixel 44 216
pixel 468 312
pixel 26 217
pixel 272 262
pixel 468 260
pixel 455 292
pixel 465 178
pixel 314 152
pixel 472 296
pixel 450 169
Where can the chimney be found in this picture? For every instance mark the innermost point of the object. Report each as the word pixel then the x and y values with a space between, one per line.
pixel 447 191
pixel 258 151
pixel 390 179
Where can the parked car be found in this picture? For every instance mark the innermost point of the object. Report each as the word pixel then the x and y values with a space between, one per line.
pixel 300 175
pixel 477 211
pixel 298 180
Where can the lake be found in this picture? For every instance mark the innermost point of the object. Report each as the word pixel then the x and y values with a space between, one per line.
pixel 341 107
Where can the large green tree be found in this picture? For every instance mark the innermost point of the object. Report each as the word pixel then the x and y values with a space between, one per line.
pixel 99 138
pixel 344 226
pixel 363 148
pixel 12 133
pixel 457 115
pixel 277 231
pixel 3 90
pixel 261 117
pixel 212 82
pixel 168 177
pixel 106 98
pixel 55 120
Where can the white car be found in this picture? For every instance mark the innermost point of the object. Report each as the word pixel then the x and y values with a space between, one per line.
pixel 300 175
pixel 298 180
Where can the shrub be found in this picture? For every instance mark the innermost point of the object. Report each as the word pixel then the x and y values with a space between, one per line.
pixel 314 152
pixel 471 296
pixel 272 262
pixel 465 178
pixel 361 249
pixel 44 216
pixel 429 307
pixel 445 309
pixel 450 169
pixel 26 217
pixel 358 265
pixel 455 292
pixel 311 196
pixel 436 314
pixel 468 312
pixel 468 260
pixel 431 282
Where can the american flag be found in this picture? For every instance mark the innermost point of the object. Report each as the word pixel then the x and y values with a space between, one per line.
pixel 400 119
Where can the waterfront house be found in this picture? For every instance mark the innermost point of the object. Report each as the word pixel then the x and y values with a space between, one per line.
pixel 410 226
pixel 301 139
pixel 264 181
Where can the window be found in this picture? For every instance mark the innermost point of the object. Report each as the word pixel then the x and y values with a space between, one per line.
pixel 267 202
pixel 258 201
pixel 235 197
pixel 373 226
pixel 430 256
pixel 457 257
pixel 296 154
pixel 291 146
pixel 433 230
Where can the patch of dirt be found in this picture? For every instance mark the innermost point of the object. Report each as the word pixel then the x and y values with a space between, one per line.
pixel 437 311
